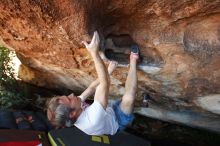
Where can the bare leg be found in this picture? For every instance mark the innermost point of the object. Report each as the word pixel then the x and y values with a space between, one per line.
pixel 127 103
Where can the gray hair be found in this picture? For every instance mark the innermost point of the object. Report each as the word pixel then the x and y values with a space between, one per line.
pixel 62 118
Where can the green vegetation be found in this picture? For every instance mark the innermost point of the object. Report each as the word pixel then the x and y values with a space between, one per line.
pixel 11 92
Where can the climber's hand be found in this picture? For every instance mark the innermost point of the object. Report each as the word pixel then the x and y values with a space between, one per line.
pixel 93 47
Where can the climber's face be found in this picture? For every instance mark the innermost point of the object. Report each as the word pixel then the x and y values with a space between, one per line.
pixel 71 101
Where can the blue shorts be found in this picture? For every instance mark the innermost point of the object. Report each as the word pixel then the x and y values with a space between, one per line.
pixel 122 118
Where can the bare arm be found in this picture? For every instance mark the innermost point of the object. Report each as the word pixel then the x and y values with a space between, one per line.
pixel 92 87
pixel 102 91
pixel 90 90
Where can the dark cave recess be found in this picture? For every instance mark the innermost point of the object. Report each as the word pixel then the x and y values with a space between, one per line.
pixel 118 47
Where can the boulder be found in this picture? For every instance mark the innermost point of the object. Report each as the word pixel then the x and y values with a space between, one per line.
pixel 179 41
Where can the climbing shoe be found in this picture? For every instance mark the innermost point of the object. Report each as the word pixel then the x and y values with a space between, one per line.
pixel 135 51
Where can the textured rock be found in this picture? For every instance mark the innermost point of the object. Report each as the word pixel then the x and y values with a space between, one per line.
pixel 179 41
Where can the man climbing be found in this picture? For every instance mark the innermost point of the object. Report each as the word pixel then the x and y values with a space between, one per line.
pixel 99 117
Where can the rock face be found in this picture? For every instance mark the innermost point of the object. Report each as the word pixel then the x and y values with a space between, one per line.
pixel 179 41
